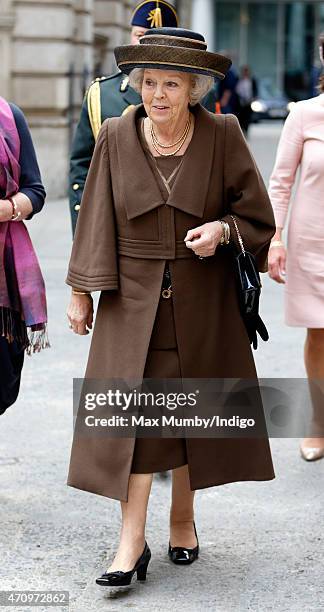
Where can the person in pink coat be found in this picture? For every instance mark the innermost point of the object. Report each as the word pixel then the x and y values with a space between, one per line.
pixel 301 266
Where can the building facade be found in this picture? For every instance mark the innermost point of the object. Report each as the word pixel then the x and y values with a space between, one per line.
pixel 278 40
pixel 51 49
pixel 49 52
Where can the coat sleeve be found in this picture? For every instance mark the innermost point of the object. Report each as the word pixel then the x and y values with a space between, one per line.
pixel 289 153
pixel 93 263
pixel 30 179
pixel 246 195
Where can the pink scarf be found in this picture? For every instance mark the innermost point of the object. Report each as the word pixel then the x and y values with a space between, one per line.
pixel 23 313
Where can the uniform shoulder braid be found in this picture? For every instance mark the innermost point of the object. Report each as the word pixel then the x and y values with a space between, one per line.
pixel 102 79
pixel 106 91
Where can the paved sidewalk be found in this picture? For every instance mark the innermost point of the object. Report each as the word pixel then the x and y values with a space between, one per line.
pixel 261 543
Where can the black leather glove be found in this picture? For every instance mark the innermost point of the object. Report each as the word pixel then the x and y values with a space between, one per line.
pixel 253 326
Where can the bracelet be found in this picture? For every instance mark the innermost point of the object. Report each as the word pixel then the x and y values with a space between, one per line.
pixel 226 232
pixel 75 292
pixel 276 243
pixel 15 212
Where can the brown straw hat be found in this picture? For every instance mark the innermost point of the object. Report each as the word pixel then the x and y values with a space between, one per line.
pixel 172 49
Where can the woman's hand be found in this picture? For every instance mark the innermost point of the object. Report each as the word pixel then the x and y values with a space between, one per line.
pixel 203 240
pixel 80 313
pixel 5 210
pixel 277 263
pixel 24 206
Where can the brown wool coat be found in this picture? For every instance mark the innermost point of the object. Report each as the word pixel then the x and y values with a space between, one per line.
pixel 124 235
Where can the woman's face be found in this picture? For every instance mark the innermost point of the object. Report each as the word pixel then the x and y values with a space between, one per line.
pixel 165 95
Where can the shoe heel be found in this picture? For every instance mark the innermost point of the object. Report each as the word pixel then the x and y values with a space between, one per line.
pixel 141 571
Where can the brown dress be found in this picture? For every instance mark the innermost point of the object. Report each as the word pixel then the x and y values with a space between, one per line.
pixel 131 233
pixel 160 454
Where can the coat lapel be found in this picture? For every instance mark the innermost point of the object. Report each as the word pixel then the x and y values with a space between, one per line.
pixel 190 188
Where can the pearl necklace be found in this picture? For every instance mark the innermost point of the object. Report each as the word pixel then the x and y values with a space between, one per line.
pixel 181 140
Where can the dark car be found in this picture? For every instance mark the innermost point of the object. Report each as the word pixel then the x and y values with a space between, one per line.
pixel 271 103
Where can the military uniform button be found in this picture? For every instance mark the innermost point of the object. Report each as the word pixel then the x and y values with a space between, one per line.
pixel 75 186
pixel 77 207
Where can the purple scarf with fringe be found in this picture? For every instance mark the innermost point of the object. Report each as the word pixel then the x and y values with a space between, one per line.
pixel 23 313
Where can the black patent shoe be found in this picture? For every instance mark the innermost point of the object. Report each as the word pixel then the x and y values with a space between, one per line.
pixel 182 555
pixel 121 579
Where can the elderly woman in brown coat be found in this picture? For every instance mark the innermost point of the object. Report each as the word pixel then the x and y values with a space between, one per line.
pixel 156 211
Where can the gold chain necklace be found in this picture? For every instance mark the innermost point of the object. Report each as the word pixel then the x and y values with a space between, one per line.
pixel 168 146
pixel 181 140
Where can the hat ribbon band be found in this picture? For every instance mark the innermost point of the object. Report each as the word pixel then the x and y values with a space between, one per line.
pixel 216 72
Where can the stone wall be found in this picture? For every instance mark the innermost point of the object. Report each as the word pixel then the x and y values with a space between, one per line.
pixel 49 52
pixel 7 19
pixel 184 8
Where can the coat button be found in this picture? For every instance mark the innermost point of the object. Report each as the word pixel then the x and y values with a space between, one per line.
pixel 77 207
pixel 75 186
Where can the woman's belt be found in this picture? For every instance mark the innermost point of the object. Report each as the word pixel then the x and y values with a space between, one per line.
pixel 153 249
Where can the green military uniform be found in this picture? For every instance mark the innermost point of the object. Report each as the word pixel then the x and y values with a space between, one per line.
pixel 106 97
pixel 109 97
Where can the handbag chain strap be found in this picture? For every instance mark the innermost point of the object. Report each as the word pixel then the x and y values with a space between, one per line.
pixel 239 237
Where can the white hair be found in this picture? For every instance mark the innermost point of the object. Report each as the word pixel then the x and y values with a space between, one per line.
pixel 200 84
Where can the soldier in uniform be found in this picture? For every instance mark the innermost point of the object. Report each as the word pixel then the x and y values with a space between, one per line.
pixel 110 97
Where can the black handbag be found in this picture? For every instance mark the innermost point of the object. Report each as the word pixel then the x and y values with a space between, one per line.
pixel 248 290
